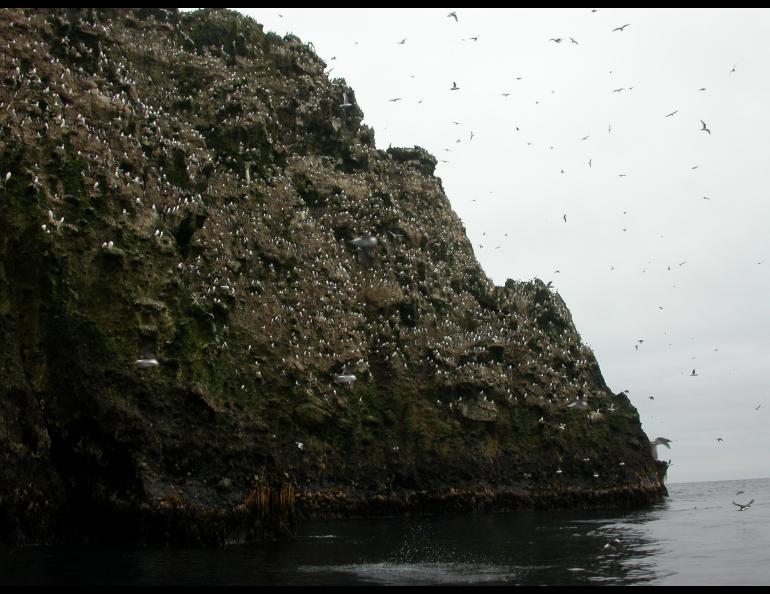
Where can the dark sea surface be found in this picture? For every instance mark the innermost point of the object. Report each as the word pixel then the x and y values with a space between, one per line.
pixel 696 537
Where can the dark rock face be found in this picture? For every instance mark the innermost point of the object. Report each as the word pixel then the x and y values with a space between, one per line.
pixel 218 161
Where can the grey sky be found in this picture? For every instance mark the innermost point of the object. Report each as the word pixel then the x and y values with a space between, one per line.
pixel 715 314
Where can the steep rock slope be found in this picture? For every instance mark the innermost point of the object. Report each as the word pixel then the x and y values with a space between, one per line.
pixel 185 187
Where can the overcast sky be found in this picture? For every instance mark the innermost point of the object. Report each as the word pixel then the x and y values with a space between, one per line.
pixel 666 238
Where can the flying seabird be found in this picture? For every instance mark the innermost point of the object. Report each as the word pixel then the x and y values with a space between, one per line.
pixel 704 129
pixel 394 100
pixel 621 28
pixel 668 115
pixel 659 441
pixel 573 41
pixel 453 15
pixel 693 374
pixel 403 41
pixel 365 241
pixel 146 362
pixel 345 378
pixel 555 39
pixel 719 439
pixel 742 507
pixel 578 404
pixel 454 87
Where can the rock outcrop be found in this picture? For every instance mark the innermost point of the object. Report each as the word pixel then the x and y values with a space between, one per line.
pixel 184 188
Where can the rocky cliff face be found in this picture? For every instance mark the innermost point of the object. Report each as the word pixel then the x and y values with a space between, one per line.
pixel 184 188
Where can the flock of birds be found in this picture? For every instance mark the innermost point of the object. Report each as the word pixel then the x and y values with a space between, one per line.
pixel 236 234
pixel 704 128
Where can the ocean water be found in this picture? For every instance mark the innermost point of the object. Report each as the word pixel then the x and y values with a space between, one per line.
pixel 696 537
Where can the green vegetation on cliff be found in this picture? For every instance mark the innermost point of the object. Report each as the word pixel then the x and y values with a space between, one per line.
pixel 187 185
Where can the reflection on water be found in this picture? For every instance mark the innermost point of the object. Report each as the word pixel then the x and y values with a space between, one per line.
pixel 695 537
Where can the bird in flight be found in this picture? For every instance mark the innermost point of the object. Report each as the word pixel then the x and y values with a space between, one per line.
pixel 584 138
pixel 394 100
pixel 618 90
pixel 621 28
pixel 701 89
pixel 555 39
pixel 704 129
pixel 659 441
pixel 719 439
pixel 693 374
pixel 453 15
pixel 403 41
pixel 733 70
pixel 454 86
pixel 668 115
pixel 573 41
pixel 742 507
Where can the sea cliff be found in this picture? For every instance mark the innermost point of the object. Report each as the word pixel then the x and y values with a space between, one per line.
pixel 183 189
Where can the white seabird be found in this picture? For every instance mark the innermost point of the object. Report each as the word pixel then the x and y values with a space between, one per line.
pixel 659 441
pixel 345 378
pixel 147 362
pixel 365 241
